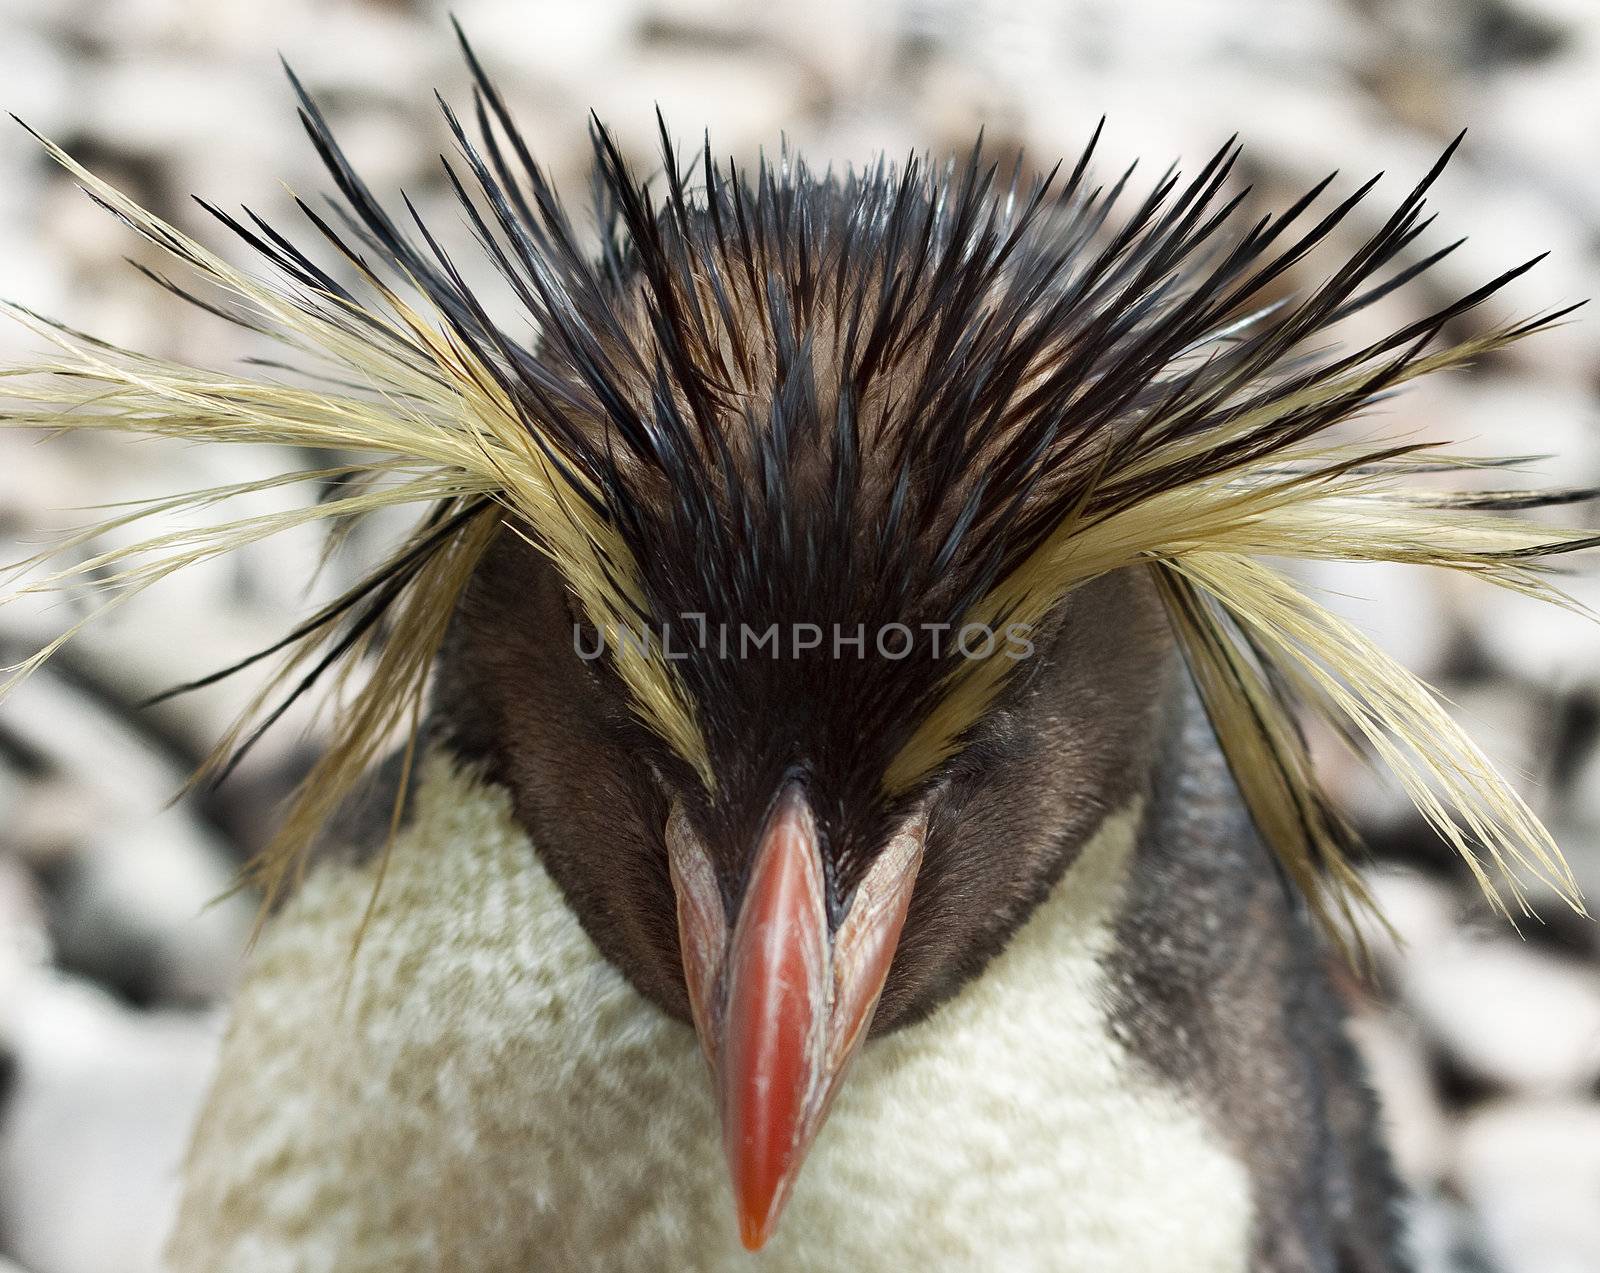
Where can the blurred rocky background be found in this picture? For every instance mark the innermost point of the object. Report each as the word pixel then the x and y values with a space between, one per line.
pixel 1486 1045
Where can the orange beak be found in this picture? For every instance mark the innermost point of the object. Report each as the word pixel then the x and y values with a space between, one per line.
pixel 781 1006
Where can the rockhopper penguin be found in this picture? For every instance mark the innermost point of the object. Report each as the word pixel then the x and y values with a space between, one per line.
pixel 834 656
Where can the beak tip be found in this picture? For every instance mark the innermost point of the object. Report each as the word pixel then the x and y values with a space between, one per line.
pixel 756 1223
pixel 759 1202
pixel 752 1233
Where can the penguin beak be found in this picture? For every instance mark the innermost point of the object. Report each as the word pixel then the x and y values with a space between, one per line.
pixel 782 1004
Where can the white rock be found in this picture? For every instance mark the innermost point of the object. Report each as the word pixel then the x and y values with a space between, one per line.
pixel 1517 413
pixel 1443 1235
pixel 39 82
pixel 568 49
pixel 1415 1127
pixel 49 818
pixel 204 618
pixel 1509 1013
pixel 1512 724
pixel 843 42
pixel 1420 914
pixel 81 743
pixel 1577 828
pixel 1579 838
pixel 1538 643
pixel 400 60
pixel 96 1126
pixel 746 103
pixel 142 881
pixel 24 936
pixel 155 105
pixel 155 893
pixel 1539 117
pixel 1399 607
pixel 1533 1171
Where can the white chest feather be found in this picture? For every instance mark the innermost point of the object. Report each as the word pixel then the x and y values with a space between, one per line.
pixel 484 1093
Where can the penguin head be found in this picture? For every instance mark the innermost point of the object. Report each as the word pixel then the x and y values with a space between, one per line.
pixel 786 913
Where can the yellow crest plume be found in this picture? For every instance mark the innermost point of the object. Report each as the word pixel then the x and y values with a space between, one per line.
pixel 436 431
